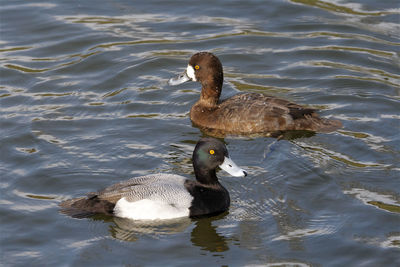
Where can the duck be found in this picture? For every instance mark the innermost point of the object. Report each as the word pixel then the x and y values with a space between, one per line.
pixel 164 196
pixel 243 113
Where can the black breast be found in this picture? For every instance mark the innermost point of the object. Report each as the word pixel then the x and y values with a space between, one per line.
pixel 207 199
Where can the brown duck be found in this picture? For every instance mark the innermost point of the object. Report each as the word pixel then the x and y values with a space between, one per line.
pixel 244 113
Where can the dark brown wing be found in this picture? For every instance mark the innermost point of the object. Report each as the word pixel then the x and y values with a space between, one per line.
pixel 261 113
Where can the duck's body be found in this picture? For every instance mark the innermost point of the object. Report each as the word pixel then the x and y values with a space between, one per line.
pixel 245 113
pixel 253 113
pixel 164 196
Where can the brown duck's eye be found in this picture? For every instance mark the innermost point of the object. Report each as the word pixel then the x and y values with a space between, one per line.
pixel 212 152
pixel 197 67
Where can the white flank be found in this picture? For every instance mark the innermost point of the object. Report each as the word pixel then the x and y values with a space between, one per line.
pixel 147 209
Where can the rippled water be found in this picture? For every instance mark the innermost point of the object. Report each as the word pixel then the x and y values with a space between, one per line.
pixel 84 103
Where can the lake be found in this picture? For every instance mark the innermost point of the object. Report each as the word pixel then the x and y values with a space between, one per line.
pixel 84 103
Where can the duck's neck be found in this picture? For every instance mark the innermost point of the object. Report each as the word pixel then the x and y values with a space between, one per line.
pixel 210 92
pixel 206 176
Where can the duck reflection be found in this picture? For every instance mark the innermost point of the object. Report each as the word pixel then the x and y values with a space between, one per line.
pixel 205 235
pixel 286 135
pixel 131 230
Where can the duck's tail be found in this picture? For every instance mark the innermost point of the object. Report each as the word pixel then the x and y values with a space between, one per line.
pixel 326 125
pixel 316 124
pixel 83 207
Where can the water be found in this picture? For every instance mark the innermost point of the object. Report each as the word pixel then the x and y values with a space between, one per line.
pixel 85 103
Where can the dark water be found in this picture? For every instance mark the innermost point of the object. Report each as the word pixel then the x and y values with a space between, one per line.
pixel 84 103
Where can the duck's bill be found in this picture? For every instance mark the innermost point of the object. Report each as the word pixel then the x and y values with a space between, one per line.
pixel 230 167
pixel 179 79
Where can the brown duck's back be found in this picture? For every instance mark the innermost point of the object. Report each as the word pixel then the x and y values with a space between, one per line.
pixel 251 113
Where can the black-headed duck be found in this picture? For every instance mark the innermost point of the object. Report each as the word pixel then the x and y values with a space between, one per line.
pixel 244 113
pixel 165 196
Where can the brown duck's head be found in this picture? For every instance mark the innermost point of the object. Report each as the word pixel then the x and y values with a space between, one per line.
pixel 205 68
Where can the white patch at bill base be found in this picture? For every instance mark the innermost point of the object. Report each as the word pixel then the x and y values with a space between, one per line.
pixel 190 73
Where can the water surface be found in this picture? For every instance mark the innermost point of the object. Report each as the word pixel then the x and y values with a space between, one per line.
pixel 84 103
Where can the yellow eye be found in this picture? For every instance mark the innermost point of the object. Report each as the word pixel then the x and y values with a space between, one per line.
pixel 212 152
pixel 197 67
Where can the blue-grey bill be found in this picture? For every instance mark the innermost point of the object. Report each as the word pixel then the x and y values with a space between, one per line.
pixel 230 167
pixel 179 79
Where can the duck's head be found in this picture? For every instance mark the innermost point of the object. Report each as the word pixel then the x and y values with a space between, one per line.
pixel 208 155
pixel 205 68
